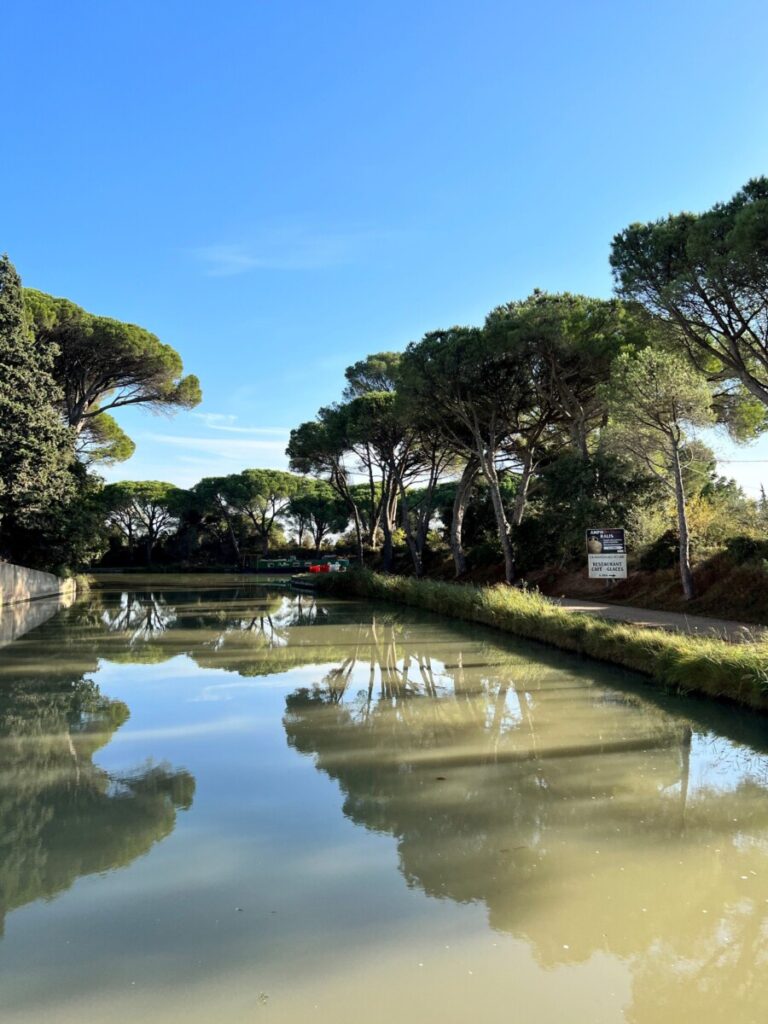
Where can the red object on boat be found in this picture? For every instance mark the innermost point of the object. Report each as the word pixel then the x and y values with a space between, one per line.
pixel 322 567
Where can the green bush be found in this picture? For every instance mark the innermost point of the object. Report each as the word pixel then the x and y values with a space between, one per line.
pixel 484 554
pixel 663 553
pixel 741 550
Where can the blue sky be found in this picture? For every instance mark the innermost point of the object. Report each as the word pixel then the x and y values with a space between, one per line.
pixel 278 188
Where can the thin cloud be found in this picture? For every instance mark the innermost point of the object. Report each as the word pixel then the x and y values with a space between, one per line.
pixel 223 421
pixel 281 431
pixel 225 260
pixel 214 418
pixel 223 447
pixel 287 250
pixel 185 460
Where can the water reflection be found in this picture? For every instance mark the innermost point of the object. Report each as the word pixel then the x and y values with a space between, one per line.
pixel 61 815
pixel 246 630
pixel 585 821
pixel 22 616
pixel 584 816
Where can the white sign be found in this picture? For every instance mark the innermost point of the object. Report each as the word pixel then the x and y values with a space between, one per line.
pixel 607 553
pixel 607 567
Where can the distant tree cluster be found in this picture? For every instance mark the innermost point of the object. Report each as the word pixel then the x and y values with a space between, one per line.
pixel 223 520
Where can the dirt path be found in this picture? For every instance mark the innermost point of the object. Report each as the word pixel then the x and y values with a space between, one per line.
pixel 675 621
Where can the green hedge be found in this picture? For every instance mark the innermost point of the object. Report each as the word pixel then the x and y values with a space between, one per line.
pixel 688 664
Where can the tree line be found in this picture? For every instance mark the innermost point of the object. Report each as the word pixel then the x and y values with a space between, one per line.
pixel 499 442
pixel 221 520
pixel 557 388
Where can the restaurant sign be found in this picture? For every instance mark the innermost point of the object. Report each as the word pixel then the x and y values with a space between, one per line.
pixel 607 554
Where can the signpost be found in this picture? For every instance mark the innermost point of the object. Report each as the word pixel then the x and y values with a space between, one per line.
pixel 607 554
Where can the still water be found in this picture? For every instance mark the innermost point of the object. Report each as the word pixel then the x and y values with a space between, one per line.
pixel 221 803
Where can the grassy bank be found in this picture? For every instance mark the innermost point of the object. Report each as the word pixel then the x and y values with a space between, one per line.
pixel 715 668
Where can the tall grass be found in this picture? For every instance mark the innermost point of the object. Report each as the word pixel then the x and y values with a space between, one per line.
pixel 687 664
pixel 83 584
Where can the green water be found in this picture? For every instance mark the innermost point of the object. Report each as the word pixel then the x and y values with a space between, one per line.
pixel 223 804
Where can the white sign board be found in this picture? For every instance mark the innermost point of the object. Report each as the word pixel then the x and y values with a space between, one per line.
pixel 607 567
pixel 606 554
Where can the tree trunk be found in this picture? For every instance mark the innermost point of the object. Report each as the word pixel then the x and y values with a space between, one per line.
pixel 460 502
pixel 388 513
pixel 415 545
pixel 231 529
pixel 317 537
pixel 578 431
pixel 502 524
pixel 521 497
pixel 372 518
pixel 358 533
pixel 686 573
pixel 76 416
pixel 387 550
pixel 416 521
pixel 339 483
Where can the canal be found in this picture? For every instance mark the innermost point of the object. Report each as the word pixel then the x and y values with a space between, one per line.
pixel 225 803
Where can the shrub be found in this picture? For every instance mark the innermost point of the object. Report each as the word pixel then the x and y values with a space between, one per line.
pixel 741 550
pixel 662 553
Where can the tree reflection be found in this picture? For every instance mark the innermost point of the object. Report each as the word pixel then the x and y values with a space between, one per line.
pixel 63 816
pixel 140 618
pixel 246 630
pixel 582 820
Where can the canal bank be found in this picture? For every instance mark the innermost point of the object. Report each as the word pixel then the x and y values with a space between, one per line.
pixel 687 664
pixel 19 584
pixel 29 597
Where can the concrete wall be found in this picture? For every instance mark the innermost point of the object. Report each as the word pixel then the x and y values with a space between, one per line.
pixel 20 584
pixel 28 598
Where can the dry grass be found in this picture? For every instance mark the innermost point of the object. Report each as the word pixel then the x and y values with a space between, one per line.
pixel 724 590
